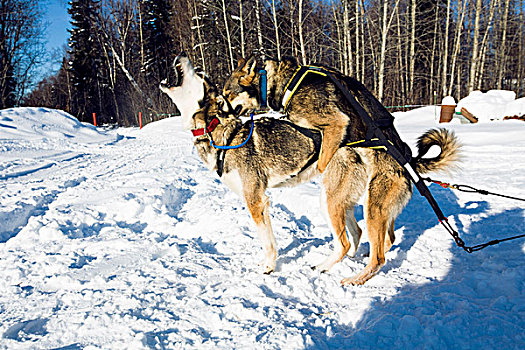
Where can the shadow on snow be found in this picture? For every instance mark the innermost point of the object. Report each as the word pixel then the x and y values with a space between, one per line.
pixel 478 304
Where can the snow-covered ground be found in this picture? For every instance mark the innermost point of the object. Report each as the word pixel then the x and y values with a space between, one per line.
pixel 122 239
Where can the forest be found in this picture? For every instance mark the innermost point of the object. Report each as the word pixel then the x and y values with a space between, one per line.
pixel 406 52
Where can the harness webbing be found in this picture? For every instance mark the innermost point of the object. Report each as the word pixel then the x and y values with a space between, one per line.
pixel 297 79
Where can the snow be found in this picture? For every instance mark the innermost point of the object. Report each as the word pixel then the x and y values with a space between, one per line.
pixel 492 105
pixel 123 239
pixel 448 101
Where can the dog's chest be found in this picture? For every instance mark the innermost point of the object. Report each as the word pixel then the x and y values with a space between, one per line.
pixel 208 156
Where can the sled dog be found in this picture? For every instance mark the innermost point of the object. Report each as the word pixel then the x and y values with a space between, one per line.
pixel 280 153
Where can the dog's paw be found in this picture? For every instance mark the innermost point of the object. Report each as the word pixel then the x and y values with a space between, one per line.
pixel 323 267
pixel 268 267
pixel 361 278
pixel 330 261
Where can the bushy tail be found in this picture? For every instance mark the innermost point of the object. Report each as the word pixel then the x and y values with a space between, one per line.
pixel 450 151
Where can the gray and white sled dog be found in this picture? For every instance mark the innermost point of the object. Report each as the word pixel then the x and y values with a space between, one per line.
pixel 281 153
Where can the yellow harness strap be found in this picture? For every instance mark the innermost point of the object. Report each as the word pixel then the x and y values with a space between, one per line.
pixel 296 80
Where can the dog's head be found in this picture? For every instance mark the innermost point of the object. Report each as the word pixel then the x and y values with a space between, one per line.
pixel 186 88
pixel 196 97
pixel 241 89
pixel 279 73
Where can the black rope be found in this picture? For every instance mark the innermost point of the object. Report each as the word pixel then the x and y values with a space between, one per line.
pixel 470 189
pixel 459 242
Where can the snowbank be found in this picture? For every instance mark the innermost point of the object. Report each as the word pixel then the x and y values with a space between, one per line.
pixel 33 123
pixel 492 105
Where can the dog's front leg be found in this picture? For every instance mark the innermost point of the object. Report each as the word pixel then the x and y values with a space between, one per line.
pixel 259 205
pixel 333 135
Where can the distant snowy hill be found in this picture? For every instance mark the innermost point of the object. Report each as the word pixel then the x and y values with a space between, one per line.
pixel 123 239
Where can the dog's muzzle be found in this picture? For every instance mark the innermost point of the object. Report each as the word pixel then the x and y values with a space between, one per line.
pixel 175 75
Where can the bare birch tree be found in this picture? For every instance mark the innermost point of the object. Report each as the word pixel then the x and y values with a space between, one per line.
pixel 445 51
pixel 483 46
pixel 259 28
pixel 412 59
pixel 301 37
pixel 502 59
pixel 241 25
pixel 198 26
pixel 228 37
pixel 475 47
pixel 276 28
pixel 386 24
pixel 462 4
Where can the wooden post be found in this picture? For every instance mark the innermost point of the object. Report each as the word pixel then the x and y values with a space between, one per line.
pixel 95 119
pixel 140 120
pixel 448 106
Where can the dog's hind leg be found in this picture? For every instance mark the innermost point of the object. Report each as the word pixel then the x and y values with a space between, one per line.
pixel 337 201
pixel 388 193
pixel 353 230
pixel 343 184
pixel 376 234
pixel 390 237
pixel 259 206
pixel 336 212
pixel 377 220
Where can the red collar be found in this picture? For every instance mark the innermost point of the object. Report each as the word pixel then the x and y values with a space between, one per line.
pixel 213 124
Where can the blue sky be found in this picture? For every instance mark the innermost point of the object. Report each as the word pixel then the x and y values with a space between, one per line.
pixel 57 18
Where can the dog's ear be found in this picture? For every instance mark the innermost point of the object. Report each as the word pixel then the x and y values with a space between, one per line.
pixel 240 63
pixel 249 70
pixel 288 63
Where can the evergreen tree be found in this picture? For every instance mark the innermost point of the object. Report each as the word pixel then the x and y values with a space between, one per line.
pixel 159 42
pixel 85 64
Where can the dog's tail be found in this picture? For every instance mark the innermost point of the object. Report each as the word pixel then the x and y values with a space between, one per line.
pixel 450 151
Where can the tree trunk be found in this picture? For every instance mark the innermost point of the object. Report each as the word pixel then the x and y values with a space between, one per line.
pixel 228 37
pixel 141 36
pixel 301 38
pixel 276 27
pixel 384 35
pixel 363 49
pixel 199 35
pixel 340 44
pixel 259 29
pixel 400 61
pixel 483 45
pixel 461 16
pixel 521 53
pixel 241 24
pixel 295 51
pixel 475 48
pixel 348 39
pixel 412 46
pixel 432 92
pixel 445 52
pixel 502 59
pixel 357 52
